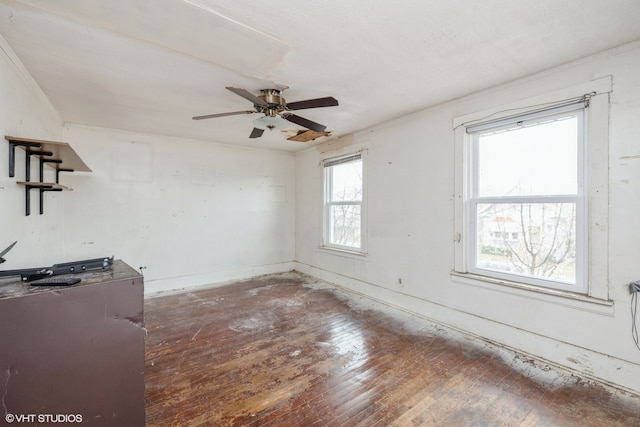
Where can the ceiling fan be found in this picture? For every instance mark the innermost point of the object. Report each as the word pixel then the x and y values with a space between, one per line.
pixel 275 108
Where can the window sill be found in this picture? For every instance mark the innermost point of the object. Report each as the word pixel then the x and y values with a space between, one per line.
pixel 575 300
pixel 342 252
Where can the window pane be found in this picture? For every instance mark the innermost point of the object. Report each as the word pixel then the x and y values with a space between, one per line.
pixel 531 159
pixel 346 182
pixel 344 225
pixel 536 240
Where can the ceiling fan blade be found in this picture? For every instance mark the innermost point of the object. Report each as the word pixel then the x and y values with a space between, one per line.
pixel 256 133
pixel 212 116
pixel 247 95
pixel 304 122
pixel 329 101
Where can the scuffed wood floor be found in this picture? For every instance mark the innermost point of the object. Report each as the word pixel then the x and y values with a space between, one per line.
pixel 282 351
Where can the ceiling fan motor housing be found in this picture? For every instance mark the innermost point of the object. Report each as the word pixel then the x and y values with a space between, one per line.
pixel 277 104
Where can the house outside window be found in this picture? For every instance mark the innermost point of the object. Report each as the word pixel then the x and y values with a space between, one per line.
pixel 344 203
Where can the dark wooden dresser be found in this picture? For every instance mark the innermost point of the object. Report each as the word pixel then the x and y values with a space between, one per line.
pixel 74 352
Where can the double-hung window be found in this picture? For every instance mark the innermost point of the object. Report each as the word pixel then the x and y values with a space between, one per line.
pixel 526 200
pixel 343 203
pixel 531 194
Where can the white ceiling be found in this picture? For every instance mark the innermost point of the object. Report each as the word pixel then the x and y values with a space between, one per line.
pixel 150 65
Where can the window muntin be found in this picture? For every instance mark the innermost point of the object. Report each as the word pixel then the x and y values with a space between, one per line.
pixel 343 203
pixel 526 211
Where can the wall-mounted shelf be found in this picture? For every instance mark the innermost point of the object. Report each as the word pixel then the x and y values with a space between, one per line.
pixel 50 185
pixel 57 155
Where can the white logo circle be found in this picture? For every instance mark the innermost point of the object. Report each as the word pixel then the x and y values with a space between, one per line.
pixel 9 418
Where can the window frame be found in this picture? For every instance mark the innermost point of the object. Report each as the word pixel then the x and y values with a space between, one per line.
pixel 597 186
pixel 326 164
pixel 474 199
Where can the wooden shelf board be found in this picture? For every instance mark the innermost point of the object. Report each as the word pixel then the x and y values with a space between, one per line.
pixel 61 151
pixel 44 185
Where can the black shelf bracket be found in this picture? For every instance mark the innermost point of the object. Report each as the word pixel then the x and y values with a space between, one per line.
pixel 12 154
pixel 27 165
pixel 27 202
pixel 42 191
pixel 42 162
pixel 58 170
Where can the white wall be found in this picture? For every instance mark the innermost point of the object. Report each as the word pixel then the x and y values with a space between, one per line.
pixel 411 229
pixel 191 212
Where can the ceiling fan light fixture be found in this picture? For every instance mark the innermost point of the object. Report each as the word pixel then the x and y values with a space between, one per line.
pixel 270 123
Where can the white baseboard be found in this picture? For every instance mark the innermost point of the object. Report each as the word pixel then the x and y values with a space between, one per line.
pixel 211 279
pixel 601 368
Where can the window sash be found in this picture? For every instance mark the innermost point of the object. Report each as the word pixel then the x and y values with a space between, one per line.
pixel 555 281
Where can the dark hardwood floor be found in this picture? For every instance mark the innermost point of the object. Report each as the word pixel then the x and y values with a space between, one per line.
pixel 284 351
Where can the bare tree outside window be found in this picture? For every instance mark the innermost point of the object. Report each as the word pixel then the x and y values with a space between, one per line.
pixel 346 225
pixel 538 240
